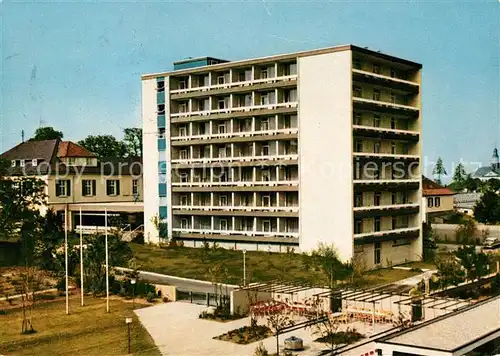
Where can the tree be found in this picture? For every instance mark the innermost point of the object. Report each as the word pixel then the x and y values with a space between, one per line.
pixel 439 170
pixel 449 270
pixel 277 320
pixel 47 133
pixel 475 264
pixel 104 146
pixel 133 141
pixel 459 177
pixel 119 253
pixel 465 232
pixel 51 237
pixel 326 257
pixel 325 327
pixel 487 209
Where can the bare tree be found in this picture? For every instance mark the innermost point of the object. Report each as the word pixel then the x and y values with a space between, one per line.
pixel 277 321
pixel 325 327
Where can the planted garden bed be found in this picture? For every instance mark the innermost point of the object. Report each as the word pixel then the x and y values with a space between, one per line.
pixel 342 337
pixel 246 334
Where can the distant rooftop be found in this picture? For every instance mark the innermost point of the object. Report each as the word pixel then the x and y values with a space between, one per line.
pixel 197 62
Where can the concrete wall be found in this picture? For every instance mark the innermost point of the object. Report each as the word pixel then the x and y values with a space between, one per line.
pixel 447 231
pixel 446 204
pixel 240 303
pixel 150 162
pixel 325 152
pixel 167 291
pixel 390 254
pixel 100 194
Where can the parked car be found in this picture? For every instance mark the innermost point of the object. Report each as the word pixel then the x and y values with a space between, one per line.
pixel 491 242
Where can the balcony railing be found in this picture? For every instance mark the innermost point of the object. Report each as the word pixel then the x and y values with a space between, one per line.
pixel 384 129
pixel 236 183
pixel 237 159
pixel 385 232
pixel 234 109
pixel 235 134
pixel 235 84
pixel 383 154
pixel 236 232
pixel 386 207
pixel 388 181
pixel 385 77
pixel 384 103
pixel 294 209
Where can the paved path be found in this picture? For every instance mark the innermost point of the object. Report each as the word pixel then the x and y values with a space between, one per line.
pixel 182 284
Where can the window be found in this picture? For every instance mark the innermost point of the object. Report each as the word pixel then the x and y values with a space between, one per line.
pixel 376 69
pixel 357 63
pixel 182 84
pixel 135 187
pixel 201 128
pixel 358 226
pixel 184 177
pixel 222 152
pixel 244 200
pixel 223 200
pixel 393 123
pixel 376 94
pixel 430 202
pixel 183 200
pixel 182 131
pixel 222 104
pixel 376 224
pixel 266 225
pixel 437 202
pixel 376 147
pixel 182 107
pixel 161 109
pixel 393 148
pixel 263 74
pixel 221 79
pixel 376 121
pixel 266 200
pixel 286 122
pixel 264 99
pixel 377 253
pixel 160 86
pixel 358 199
pixel 34 162
pixel 112 187
pixel 184 223
pixel 22 162
pixel 184 154
pixel 358 146
pixel 394 223
pixel 394 198
pixel 223 224
pixel 393 98
pixel 13 163
pixel 265 150
pixel 357 118
pixel 264 124
pixel 63 188
pixel 265 175
pixel 88 161
pixel 376 198
pixel 88 188
pixel 357 92
pixel 204 104
pixel 393 73
pixel 222 129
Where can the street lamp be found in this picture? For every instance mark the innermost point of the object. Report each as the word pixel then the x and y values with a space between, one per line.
pixel 128 321
pixel 133 281
pixel 244 268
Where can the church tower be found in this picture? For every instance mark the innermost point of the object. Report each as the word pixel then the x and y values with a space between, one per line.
pixel 495 163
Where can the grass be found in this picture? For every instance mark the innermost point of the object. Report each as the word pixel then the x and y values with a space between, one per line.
pixel 88 330
pixel 261 266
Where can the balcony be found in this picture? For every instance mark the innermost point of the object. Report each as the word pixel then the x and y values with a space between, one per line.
pixel 385 106
pixel 384 80
pixel 385 210
pixel 292 209
pixel 252 158
pixel 379 236
pixel 224 136
pixel 244 83
pixel 207 232
pixel 383 155
pixel 385 133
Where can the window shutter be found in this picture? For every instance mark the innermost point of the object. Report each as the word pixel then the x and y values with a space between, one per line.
pixel 68 187
pixel 94 192
pixel 83 187
pixel 57 188
pixel 117 187
pixel 108 188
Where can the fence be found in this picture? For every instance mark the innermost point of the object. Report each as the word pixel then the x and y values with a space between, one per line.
pixel 208 299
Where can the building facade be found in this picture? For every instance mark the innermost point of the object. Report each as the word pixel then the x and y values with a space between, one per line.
pixel 436 199
pixel 287 151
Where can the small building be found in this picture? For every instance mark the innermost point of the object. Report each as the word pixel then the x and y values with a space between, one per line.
pixel 472 330
pixel 465 202
pixel 436 199
pixel 75 179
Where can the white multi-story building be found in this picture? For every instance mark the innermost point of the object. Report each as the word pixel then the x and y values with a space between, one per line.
pixel 287 150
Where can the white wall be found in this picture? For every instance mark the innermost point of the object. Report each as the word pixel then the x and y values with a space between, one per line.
pixel 325 152
pixel 150 160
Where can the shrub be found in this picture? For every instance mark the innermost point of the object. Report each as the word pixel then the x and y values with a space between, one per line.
pixel 61 284
pixel 260 350
pixel 3 312
pixel 138 239
pixel 165 300
pixel 150 297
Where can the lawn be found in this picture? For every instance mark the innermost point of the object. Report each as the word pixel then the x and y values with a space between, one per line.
pixel 87 330
pixel 261 266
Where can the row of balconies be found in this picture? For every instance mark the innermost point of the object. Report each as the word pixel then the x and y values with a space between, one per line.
pixel 236 225
pixel 237 175
pixel 235 127
pixel 377 199
pixel 376 147
pixel 379 225
pixel 242 200
pixel 385 122
pixel 264 73
pixel 363 64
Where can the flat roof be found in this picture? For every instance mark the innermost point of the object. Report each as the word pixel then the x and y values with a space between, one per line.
pixel 285 57
pixel 452 331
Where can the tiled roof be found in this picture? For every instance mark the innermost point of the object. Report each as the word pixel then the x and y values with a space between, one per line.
pixel 70 149
pixel 432 188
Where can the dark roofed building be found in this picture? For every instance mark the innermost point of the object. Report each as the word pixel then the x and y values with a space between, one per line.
pixel 489 172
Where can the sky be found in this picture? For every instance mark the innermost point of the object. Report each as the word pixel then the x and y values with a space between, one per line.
pixel 76 65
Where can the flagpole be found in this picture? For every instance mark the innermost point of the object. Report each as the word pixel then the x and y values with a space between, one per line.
pixel 81 256
pixel 66 254
pixel 107 262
